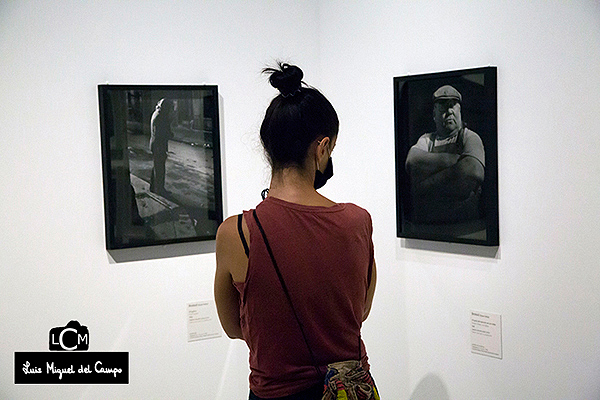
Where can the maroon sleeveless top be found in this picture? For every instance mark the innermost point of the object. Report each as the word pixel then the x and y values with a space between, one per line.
pixel 325 255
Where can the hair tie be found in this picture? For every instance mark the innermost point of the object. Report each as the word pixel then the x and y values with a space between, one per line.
pixel 285 96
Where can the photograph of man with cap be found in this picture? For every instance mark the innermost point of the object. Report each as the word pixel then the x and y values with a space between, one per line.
pixel 446 167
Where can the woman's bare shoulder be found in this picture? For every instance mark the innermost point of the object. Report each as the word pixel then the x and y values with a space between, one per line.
pixel 227 230
pixel 230 251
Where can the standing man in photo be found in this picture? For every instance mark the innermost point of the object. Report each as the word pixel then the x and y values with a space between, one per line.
pixel 160 133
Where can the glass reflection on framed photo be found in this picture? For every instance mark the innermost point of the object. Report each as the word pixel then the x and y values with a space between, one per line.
pixel 161 164
pixel 447 157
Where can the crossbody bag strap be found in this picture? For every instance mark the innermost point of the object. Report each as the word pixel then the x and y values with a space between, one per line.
pixel 285 290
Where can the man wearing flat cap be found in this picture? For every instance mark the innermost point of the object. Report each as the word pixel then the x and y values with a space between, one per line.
pixel 446 167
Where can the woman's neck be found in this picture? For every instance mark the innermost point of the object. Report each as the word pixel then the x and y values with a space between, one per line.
pixel 297 186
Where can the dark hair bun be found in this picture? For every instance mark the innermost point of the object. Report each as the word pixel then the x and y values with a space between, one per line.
pixel 287 78
pixel 295 118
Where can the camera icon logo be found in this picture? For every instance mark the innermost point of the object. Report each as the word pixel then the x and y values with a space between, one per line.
pixel 72 337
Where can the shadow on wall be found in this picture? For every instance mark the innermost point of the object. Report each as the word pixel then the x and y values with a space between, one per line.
pixel 430 387
pixel 161 251
pixel 492 252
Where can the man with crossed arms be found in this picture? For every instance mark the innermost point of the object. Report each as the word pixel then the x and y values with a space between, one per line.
pixel 446 167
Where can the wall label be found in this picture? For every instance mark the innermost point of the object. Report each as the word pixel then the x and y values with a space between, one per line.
pixel 486 334
pixel 202 321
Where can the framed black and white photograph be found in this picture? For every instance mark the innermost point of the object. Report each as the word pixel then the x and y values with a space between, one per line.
pixel 446 135
pixel 161 164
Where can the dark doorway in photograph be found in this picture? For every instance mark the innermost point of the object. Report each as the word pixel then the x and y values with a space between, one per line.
pixel 446 156
pixel 161 164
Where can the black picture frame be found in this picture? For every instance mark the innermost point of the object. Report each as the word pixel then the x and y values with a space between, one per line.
pixel 161 162
pixel 429 207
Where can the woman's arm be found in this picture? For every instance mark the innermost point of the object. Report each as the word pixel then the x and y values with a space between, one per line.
pixel 230 257
pixel 370 292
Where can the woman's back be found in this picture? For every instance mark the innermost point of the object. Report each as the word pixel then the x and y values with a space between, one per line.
pixel 325 255
pixel 324 251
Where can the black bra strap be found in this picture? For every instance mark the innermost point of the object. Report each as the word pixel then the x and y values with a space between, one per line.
pixel 241 232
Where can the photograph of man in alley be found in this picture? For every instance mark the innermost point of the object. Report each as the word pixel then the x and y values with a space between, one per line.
pixel 164 182
pixel 172 161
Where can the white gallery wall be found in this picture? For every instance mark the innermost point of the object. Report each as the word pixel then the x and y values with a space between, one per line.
pixel 543 279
